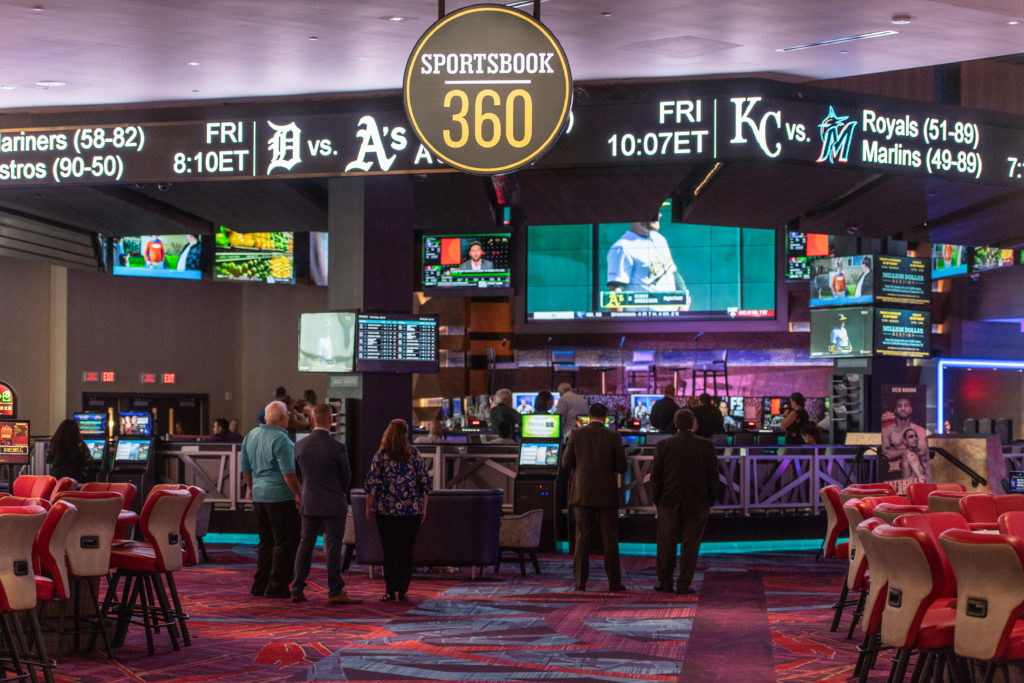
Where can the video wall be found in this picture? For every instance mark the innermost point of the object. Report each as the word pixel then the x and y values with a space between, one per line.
pixel 657 270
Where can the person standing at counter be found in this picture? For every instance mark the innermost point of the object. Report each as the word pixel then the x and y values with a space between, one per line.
pixel 503 412
pixel 594 455
pixel 570 406
pixel 709 418
pixel 268 467
pixel 663 410
pixel 222 432
pixel 684 485
pixel 795 419
pixel 68 456
pixel 396 486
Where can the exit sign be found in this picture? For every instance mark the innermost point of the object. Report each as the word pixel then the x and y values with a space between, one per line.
pixel 168 378
pixel 108 376
pixel 90 376
pixel 148 378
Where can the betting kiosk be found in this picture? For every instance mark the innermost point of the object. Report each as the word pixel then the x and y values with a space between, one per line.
pixel 133 454
pixel 93 429
pixel 14 434
pixel 537 472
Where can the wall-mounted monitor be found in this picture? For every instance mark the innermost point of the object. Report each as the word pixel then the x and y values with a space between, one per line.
pixel 132 451
pixel 477 264
pixel 542 454
pixel 541 427
pixel 254 256
pixel 990 258
pixel 632 272
pixel 800 248
pixel 842 332
pixel 168 256
pixel 135 424
pixel 393 342
pixel 865 278
pixel 902 333
pixel 773 409
pixel 97 448
pixel 91 424
pixel 14 439
pixel 640 406
pixel 327 342
pixel 525 401
pixel 949 260
pixel 735 407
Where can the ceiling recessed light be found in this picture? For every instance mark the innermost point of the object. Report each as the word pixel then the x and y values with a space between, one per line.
pixel 394 19
pixel 606 14
pixel 51 84
pixel 1013 22
pixel 901 19
pixel 37 8
pixel 193 63
pixel 8 87
pixel 862 36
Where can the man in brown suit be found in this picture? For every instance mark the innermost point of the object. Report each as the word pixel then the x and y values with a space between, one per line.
pixel 684 485
pixel 594 455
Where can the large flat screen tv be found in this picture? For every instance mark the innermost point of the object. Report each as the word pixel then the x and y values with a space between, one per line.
pixel 135 424
pixel 800 248
pixel 477 264
pixel 903 333
pixel 628 272
pixel 949 260
pixel 842 332
pixel 167 256
pixel 254 256
pixel 391 342
pixel 327 342
pixel 870 278
pixel 990 258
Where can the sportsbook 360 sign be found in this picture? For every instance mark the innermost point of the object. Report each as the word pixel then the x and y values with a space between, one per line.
pixel 487 89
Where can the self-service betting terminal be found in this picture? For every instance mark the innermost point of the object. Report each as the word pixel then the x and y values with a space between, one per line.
pixel 93 428
pixel 537 472
pixel 134 453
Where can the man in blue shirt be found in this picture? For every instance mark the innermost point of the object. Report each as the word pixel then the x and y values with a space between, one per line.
pixel 268 467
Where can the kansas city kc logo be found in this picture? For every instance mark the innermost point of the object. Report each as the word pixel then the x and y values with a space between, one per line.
pixel 836 136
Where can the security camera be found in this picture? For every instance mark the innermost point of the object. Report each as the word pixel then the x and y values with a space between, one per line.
pixel 163 187
pixel 852 230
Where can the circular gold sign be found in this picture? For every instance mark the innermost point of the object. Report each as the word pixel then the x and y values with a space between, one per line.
pixel 487 89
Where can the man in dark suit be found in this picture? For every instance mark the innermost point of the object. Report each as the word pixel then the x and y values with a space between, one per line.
pixel 321 464
pixel 594 456
pixel 663 410
pixel 709 418
pixel 684 485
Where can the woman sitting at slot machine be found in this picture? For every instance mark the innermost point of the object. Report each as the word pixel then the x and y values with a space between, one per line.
pixel 68 456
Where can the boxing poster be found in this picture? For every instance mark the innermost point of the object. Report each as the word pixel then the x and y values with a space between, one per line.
pixel 903 456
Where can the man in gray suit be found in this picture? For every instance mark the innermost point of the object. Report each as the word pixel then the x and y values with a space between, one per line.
pixel 594 455
pixel 321 464
pixel 684 485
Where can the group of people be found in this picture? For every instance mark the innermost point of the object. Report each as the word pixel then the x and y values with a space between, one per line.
pixel 301 490
pixel 710 418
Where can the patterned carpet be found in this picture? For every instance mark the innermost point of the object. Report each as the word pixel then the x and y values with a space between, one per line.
pixel 758 617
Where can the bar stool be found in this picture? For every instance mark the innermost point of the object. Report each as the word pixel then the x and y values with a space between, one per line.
pixel 888 512
pixel 864 490
pixel 33 485
pixel 18 527
pixel 141 563
pixel 837 524
pixel 50 564
pixel 88 551
pixel 127 519
pixel 946 501
pixel 63 484
pixel 917 493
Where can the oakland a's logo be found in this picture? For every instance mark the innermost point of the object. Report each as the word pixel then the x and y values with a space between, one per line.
pixel 836 135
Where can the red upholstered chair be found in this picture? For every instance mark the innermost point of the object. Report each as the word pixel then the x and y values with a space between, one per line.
pixel 933 524
pixel 1010 502
pixel 980 511
pixel 21 500
pixel 127 518
pixel 33 485
pixel 837 524
pixel 19 525
pixel 88 551
pixel 190 526
pixel 49 558
pixel 878 586
pixel 916 615
pixel 863 490
pixel 917 493
pixel 1012 523
pixel 946 501
pixel 990 576
pixel 141 564
pixel 63 484
pixel 888 512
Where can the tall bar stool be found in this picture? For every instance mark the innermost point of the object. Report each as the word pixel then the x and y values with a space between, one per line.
pixel 865 490
pixel 127 519
pixel 917 493
pixel 33 485
pixel 140 564
pixel 51 568
pixel 88 551
pixel 837 524
pixel 18 528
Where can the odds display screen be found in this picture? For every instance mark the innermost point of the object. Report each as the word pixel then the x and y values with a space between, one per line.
pixel 627 272
pixel 461 264
pixel 327 342
pixel 167 256
pixel 387 342
pixel 800 248
pixel 254 256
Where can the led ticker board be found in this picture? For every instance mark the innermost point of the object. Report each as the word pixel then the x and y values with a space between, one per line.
pixel 388 342
pixel 661 123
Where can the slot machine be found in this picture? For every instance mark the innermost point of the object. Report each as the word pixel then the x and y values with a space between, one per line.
pixel 133 454
pixel 93 429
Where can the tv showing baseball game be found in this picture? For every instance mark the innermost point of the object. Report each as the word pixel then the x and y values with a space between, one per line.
pixel 842 332
pixel 649 270
pixel 460 264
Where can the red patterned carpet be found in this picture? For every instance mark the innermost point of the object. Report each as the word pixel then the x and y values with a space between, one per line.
pixel 758 617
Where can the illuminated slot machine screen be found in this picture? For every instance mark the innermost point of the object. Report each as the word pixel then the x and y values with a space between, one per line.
pixel 475 264
pixel 160 256
pixel 389 342
pixel 136 424
pixel 91 424
pixel 538 454
pixel 97 448
pixel 14 441
pixel 132 451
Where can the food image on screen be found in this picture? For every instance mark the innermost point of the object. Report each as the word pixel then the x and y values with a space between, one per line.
pixel 948 260
pixel 844 332
pixel 387 342
pixel 169 256
pixel 474 262
pixel 990 258
pixel 903 333
pixel 254 256
pixel 649 270
pixel 326 342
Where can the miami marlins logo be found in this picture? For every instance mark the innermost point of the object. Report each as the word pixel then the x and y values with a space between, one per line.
pixel 836 136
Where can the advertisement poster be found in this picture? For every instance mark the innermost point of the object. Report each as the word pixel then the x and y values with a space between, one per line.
pixel 903 458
